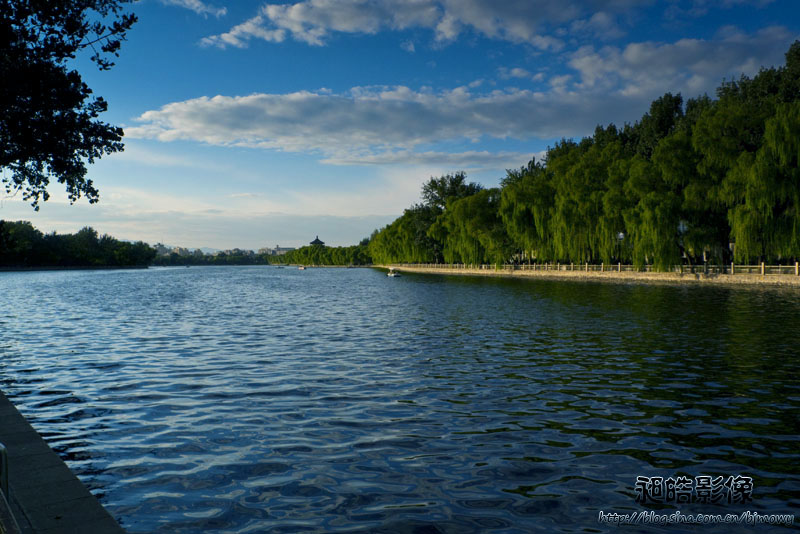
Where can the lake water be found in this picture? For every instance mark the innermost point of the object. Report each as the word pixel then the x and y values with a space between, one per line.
pixel 261 399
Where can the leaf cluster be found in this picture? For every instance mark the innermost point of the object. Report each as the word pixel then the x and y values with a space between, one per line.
pixel 49 125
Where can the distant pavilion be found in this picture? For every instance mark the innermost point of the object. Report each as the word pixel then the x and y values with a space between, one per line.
pixel 317 241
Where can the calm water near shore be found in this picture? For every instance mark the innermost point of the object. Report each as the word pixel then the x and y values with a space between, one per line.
pixel 259 399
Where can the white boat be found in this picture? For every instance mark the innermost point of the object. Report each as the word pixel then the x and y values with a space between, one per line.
pixel 302 268
pixel 392 273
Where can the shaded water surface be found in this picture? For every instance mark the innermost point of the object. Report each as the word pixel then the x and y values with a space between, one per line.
pixel 259 399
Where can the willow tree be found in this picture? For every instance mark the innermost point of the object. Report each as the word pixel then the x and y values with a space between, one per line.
pixel 727 136
pixel 665 113
pixel 653 222
pixel 677 180
pixel 382 246
pixel 436 192
pixel 405 240
pixel 614 243
pixel 415 246
pixel 580 184
pixel 730 127
pixel 764 191
pixel 559 160
pixel 526 200
pixel 471 230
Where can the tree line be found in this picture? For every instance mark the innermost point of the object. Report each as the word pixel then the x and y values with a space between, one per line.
pixel 323 255
pixel 174 259
pixel 701 180
pixel 22 245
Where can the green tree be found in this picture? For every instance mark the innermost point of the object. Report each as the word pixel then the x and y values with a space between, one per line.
pixel 408 238
pixel 580 185
pixel 653 222
pixel 21 243
pixel 472 231
pixel 49 125
pixel 612 234
pixel 763 190
pixel 665 114
pixel 526 201
pixel 437 191
pixel 677 184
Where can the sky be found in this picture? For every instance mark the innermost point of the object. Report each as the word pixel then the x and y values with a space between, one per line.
pixel 255 123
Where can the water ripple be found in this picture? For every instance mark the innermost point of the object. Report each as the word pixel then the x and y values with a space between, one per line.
pixel 257 399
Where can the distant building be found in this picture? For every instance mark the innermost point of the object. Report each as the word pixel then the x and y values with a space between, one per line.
pixel 317 242
pixel 163 250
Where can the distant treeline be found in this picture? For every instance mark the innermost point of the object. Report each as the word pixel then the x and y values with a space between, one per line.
pixel 702 180
pixel 220 258
pixel 22 245
pixel 322 255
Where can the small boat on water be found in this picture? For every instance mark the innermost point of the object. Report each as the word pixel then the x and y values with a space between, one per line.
pixel 392 273
pixel 302 268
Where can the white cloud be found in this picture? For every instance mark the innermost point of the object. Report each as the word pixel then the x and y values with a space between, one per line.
pixel 241 33
pixel 312 21
pixel 691 66
pixel 543 24
pixel 461 160
pixel 198 6
pixel 383 125
pixel 517 72
pixel 601 24
pixel 363 122
pixel 517 21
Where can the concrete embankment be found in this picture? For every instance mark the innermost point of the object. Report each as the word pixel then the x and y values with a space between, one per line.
pixel 44 496
pixel 609 275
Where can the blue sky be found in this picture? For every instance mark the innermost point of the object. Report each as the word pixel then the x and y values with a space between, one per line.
pixel 256 123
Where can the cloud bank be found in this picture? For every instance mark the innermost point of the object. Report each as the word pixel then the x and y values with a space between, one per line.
pixel 390 124
pixel 543 24
pixel 314 21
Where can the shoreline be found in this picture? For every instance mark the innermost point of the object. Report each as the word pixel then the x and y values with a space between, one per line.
pixel 44 495
pixel 749 280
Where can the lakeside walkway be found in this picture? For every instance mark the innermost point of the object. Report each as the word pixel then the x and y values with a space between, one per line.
pixel 44 495
pixel 742 275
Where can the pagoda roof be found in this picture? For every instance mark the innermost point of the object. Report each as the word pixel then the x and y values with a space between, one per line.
pixel 317 241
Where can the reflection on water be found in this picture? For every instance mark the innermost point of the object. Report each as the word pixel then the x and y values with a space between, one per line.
pixel 255 399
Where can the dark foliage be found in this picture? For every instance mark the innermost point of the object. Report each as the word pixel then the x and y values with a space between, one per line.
pixel 22 245
pixel 49 125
